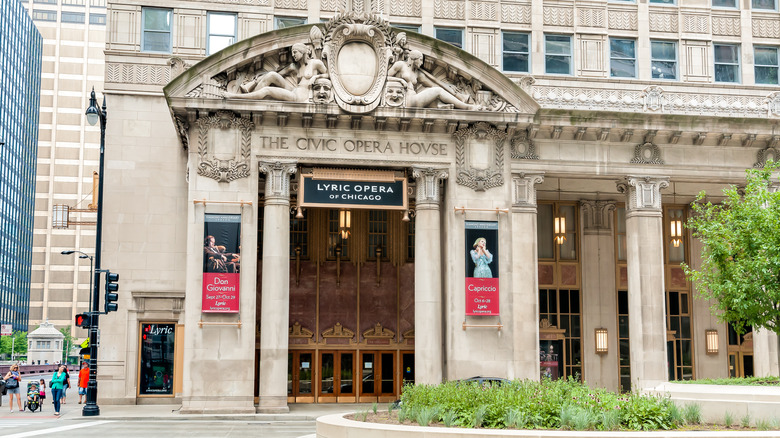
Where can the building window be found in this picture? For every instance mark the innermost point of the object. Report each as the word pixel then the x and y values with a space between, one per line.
pixel 282 22
pixel 221 31
pixel 156 34
pixel 450 35
pixel 299 234
pixel 39 15
pixel 336 242
pixel 622 58
pixel 557 54
pixel 72 17
pixel 407 27
pixel 410 238
pixel 663 2
pixel 766 65
pixel 45 2
pixel 99 19
pixel 765 4
pixel 731 4
pixel 663 56
pixel 726 62
pixel 377 234
pixel 515 50
pixel 73 2
pixel 157 356
pixel 563 357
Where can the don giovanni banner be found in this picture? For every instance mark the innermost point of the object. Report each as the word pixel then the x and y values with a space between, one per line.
pixel 481 268
pixel 221 263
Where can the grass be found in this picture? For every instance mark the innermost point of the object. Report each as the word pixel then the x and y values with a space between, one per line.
pixel 540 405
pixel 750 381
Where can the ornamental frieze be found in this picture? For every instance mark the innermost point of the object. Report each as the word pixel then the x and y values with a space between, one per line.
pixel 231 163
pixel 479 156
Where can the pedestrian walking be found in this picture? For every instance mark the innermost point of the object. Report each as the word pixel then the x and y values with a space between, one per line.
pixel 83 381
pixel 57 382
pixel 12 381
pixel 42 389
pixel 66 385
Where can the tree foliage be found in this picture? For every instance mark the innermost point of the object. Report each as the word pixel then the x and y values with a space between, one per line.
pixel 18 341
pixel 740 267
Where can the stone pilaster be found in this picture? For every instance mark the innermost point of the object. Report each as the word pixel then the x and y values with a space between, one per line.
pixel 598 292
pixel 428 350
pixel 525 278
pixel 275 286
pixel 645 260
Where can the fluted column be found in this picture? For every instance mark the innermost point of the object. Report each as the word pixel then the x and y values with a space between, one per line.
pixel 646 296
pixel 525 278
pixel 428 339
pixel 599 300
pixel 275 286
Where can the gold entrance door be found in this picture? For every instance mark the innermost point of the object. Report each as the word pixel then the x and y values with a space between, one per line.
pixel 337 377
pixel 300 372
pixel 377 376
pixel 740 353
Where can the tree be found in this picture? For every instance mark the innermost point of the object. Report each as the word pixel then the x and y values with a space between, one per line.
pixel 740 267
pixel 17 342
pixel 67 343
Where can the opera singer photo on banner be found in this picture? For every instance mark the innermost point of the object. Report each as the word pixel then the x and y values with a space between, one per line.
pixel 482 268
pixel 221 262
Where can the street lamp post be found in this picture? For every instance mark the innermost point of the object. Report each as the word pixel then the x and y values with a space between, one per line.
pixel 94 115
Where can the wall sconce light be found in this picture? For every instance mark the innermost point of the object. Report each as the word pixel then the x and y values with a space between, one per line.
pixel 712 341
pixel 299 213
pixel 345 223
pixel 560 230
pixel 676 232
pixel 602 341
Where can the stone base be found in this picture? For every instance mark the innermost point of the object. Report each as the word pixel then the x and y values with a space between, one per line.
pixel 273 405
pixel 218 405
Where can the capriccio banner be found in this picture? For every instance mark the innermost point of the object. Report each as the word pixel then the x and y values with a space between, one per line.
pixel 482 268
pixel 221 263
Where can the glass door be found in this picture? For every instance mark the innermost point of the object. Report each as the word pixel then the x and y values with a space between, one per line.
pixel 299 376
pixel 336 377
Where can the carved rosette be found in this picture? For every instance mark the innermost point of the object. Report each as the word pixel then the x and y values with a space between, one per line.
pixel 428 184
pixel 218 169
pixel 647 153
pixel 356 51
pixel 277 178
pixel 524 188
pixel 643 194
pixel 490 141
pixel 523 148
pixel 597 216
pixel 773 101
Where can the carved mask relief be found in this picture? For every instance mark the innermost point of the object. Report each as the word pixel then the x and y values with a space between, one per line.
pixel 395 93
pixel 322 91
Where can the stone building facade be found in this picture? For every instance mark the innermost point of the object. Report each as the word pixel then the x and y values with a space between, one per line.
pixel 330 210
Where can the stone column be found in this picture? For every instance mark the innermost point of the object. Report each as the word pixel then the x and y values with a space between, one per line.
pixel 525 278
pixel 646 297
pixel 599 300
pixel 428 339
pixel 274 319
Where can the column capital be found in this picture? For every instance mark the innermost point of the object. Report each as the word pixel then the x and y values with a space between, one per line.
pixel 643 194
pixel 277 178
pixel 428 179
pixel 597 216
pixel 524 190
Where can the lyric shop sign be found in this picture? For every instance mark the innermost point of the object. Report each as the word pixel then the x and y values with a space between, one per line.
pixel 221 263
pixel 353 193
pixel 482 268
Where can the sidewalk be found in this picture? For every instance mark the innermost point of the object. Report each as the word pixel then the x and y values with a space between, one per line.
pixel 298 412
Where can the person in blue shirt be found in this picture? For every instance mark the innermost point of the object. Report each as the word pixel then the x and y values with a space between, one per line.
pixel 57 382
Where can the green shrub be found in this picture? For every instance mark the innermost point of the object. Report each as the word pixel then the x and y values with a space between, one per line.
pixel 692 413
pixel 374 408
pixel 540 405
pixel 728 420
pixel 763 424
pixel 426 414
pixel 745 421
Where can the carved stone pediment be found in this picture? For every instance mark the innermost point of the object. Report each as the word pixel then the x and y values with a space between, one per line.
pixel 299 334
pixel 479 156
pixel 356 61
pixel 377 331
pixel 339 334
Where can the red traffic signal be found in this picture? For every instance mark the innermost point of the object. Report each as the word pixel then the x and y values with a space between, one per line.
pixel 83 320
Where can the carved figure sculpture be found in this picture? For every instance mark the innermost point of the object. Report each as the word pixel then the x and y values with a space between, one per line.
pixel 395 92
pixel 322 90
pixel 303 72
pixel 429 92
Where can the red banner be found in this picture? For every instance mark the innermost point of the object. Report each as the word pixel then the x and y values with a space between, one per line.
pixel 221 263
pixel 220 293
pixel 482 296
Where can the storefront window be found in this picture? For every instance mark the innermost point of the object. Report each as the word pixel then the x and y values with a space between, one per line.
pixel 157 352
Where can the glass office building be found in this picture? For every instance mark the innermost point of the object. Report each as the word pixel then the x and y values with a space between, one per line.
pixel 20 89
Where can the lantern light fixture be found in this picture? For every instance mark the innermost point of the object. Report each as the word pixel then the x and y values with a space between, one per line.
pixel 345 223
pixel 676 232
pixel 602 341
pixel 560 230
pixel 712 340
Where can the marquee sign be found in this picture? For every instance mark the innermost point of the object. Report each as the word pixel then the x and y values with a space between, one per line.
pixel 353 189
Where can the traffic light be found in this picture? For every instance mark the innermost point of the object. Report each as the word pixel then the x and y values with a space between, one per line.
pixel 83 320
pixel 111 287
